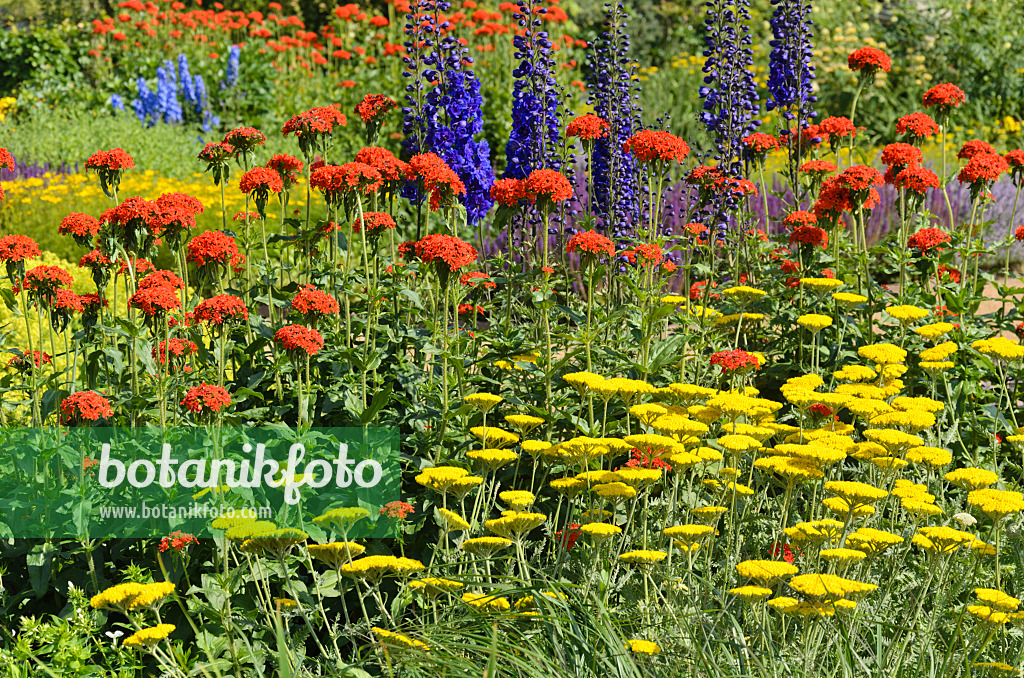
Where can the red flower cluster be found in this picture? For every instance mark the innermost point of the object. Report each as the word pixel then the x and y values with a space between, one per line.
pixel 928 240
pixel 288 167
pixel 373 107
pixel 299 339
pixel 470 309
pixel 244 139
pixel 944 97
pixel 1018 233
pixel 897 157
pixel 439 181
pixel 114 160
pixel 162 279
pixel 26 361
pixel 475 279
pixel 697 290
pixel 43 281
pixel 917 127
pixel 261 180
pixel 869 60
pixel 206 399
pixel 316 121
pixel 916 179
pixel 859 178
pixel 837 127
pixel 177 541
pixel 313 303
pixel 216 153
pixel 221 309
pixel 590 244
pixel 397 510
pixel 981 169
pixel 569 536
pixel 384 161
pixel 84 407
pixel 800 218
pixel 211 247
pixel 335 181
pixel 735 362
pixel 650 145
pixel 94 260
pixel 547 187
pixel 80 226
pixel 1015 159
pixel 974 147
pixel 376 223
pixel 180 349
pixel 760 144
pixel 510 193
pixel 645 457
pixel 18 248
pixel 6 159
pixel 947 274
pixel 155 301
pixel 447 252
pixel 588 127
pixel 809 235
pixel 175 213
pixel 696 229
pixel 647 254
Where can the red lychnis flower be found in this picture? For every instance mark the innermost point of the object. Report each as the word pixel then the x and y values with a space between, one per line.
pixel 27 361
pixel 437 178
pixel 162 279
pixel 591 246
pixel 837 128
pixel 206 399
pixel 510 193
pixel 916 179
pixel 6 159
pixel 42 282
pixel 133 224
pixel 16 249
pixel 338 181
pixel 928 240
pixel 974 147
pixel 260 182
pixel 588 127
pixel 312 125
pixel 245 139
pixel 221 309
pixel 313 304
pixel 759 145
pixel 299 339
pixel 288 168
pixel 981 170
pixel 547 187
pixel 569 536
pixel 373 107
pixel 809 235
pixel 800 218
pixel 859 179
pixel 1018 233
pixel 735 362
pixel 392 170
pixel 397 510
pixel 869 60
pixel 180 349
pixel 82 227
pixel 177 541
pixel 475 279
pixel 651 145
pixel 377 223
pixel 821 167
pixel 216 153
pixel 917 127
pixel 84 408
pixel 155 301
pixel 944 98
pixel 211 247
pixel 175 213
pixel 898 157
pixel 446 252
pixel 109 167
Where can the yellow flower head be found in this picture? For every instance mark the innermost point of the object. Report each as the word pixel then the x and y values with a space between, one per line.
pixel 971 478
pixel 483 602
pixel 815 322
pixel 637 646
pixel 882 354
pixel 766 571
pixel 483 401
pixel 494 437
pixel 600 532
pixel 934 330
pixel 450 521
pixel 398 641
pixel 485 547
pixel 906 314
pixel 492 459
pixel 336 553
pixel 643 557
pixel 150 636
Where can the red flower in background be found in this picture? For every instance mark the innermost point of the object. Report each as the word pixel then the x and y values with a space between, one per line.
pixel 869 60
pixel 376 223
pixel 18 248
pixel 818 167
pixel 299 339
pixel 916 180
pixel 179 349
pixel 569 536
pixel 155 301
pixel 177 541
pixel 447 252
pixel 244 139
pixel 6 159
pixel 928 240
pixel 211 247
pixel 381 159
pixel 809 235
pixel 288 168
pixel 221 309
pixel 84 407
pixel 651 145
pixel 314 304
pixel 547 187
pixel 735 362
pixel 475 279
pixel 206 399
pixel 590 243
pixel 27 361
pixel 944 98
pixel 162 279
pixel 974 147
pixel 373 107
pixel 397 509
pixel 438 180
pixel 114 160
pixel 800 218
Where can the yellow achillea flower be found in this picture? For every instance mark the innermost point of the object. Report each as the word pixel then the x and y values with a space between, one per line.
pixel 517 499
pixel 996 504
pixel 440 478
pixel 843 507
pixel 940 352
pixel 983 548
pixel 492 459
pixel 894 441
pixel 689 537
pixel 882 354
pixel 911 422
pixel 744 293
pixel 336 553
pixel 286 603
pixel 815 322
pixel 405 567
pixel 398 641
pixel 766 571
pixel 492 436
pixel 691 394
pixel 485 547
pixel 920 508
pixel 971 478
pixel 782 603
pixel 524 423
pixel 935 457
pixel 615 492
pixel 906 314
pixel 708 514
pixel 673 299
pixel 342 519
pixel 996 668
pixel 747 318
pixel 464 485
pixel 822 285
pixel 997 599
pixel 737 444
pixel 132 596
pixel 150 636
pixel 582 381
pixel 727 488
pixel 942 539
pixel 750 593
pixel 793 471
pixel 855 373
pixel 450 521
pixel 999 347
pixel 848 300
pixel 648 412
pixel 539 448
pixel 516 524
pixel 934 367
pixel 581 450
pixel 987 616
pixel 873 541
pixel 277 542
pixel 600 532
pixel 643 557
pixel 867 451
pixel 659 444
pixel 570 487
pixel 639 478
pixel 249 530
pixel 432 587
pixel 842 556
pixel 227 522
pixel 829 587
pixel 760 433
pixel 856 493
pixel 934 330
pixel 816 532
pixel 531 358
pixel 483 401
pixel 638 646
pixel 483 602
pixel 369 568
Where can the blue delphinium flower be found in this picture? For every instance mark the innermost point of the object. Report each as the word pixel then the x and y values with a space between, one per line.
pixel 116 102
pixel 790 73
pixel 446 119
pixel 145 104
pixel 234 58
pixel 168 106
pixel 536 99
pixel 730 93
pixel 613 93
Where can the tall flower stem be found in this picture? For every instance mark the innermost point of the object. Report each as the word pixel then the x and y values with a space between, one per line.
pixel 1009 242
